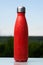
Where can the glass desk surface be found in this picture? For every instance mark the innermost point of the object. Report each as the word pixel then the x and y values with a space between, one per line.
pixel 31 61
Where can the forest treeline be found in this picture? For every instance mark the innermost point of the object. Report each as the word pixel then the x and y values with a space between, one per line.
pixel 35 46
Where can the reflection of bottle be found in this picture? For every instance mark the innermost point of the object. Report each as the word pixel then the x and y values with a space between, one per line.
pixel 20 63
pixel 21 36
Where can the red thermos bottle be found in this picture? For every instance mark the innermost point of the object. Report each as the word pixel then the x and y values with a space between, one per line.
pixel 21 36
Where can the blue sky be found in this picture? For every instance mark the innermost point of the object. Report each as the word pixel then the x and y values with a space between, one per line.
pixel 34 16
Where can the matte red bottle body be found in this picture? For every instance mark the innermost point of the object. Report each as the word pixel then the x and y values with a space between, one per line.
pixel 21 38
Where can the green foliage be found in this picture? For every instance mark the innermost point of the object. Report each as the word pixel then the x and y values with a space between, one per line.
pixel 35 46
pixel 6 47
pixel 9 48
pixel 2 49
pixel 33 49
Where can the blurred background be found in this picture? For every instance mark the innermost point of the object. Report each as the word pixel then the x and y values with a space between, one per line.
pixel 34 16
pixel 35 46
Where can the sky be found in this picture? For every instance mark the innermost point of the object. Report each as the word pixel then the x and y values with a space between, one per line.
pixel 34 16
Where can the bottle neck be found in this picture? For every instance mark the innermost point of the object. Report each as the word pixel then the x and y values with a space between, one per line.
pixel 21 14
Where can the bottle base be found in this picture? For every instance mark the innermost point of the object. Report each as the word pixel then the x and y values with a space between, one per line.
pixel 21 60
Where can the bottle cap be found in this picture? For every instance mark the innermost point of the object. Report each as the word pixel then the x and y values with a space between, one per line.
pixel 21 9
